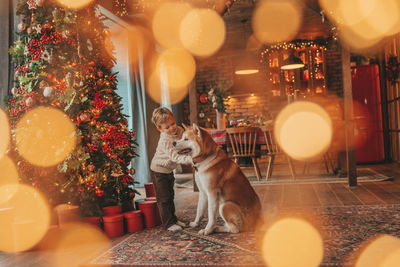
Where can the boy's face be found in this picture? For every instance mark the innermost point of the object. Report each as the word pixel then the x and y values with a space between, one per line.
pixel 169 127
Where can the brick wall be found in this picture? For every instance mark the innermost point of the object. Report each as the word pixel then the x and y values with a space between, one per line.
pixel 219 70
pixel 333 68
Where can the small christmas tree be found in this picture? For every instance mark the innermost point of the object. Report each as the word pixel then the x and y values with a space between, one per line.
pixel 63 60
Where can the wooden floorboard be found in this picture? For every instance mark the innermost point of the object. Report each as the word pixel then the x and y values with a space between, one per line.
pixel 392 188
pixel 326 195
pixel 308 195
pixel 344 194
pixel 365 196
pixel 386 196
pixel 291 196
pixel 272 196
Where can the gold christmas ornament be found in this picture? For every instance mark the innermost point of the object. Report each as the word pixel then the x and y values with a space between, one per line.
pixel 90 167
pixel 84 116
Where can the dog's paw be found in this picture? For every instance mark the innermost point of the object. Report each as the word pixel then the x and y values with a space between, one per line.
pixel 193 224
pixel 205 231
pixel 202 232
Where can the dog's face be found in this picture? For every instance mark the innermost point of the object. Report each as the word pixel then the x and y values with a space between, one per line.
pixel 190 143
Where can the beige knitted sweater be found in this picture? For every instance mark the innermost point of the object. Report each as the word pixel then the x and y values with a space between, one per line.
pixel 166 158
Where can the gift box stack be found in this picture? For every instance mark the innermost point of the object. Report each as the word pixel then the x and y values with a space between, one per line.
pixel 115 223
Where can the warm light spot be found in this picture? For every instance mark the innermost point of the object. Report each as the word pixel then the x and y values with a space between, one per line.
pixel 381 16
pixel 292 242
pixel 363 23
pixel 385 16
pixel 247 71
pixel 202 32
pixel 4 132
pixel 45 136
pixel 135 39
pixel 80 240
pixel 354 11
pixel 175 67
pixel 167 21
pixel 9 173
pixel 159 91
pixel 380 252
pixel 357 38
pixel 74 4
pixel 24 217
pixel 303 130
pixel 393 259
pixel 276 21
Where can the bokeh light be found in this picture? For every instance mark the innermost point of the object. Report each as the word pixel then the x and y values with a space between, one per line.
pixel 202 31
pixel 9 173
pixel 166 23
pixel 175 68
pixel 303 130
pixel 74 4
pixel 4 133
pixel 382 252
pixel 276 21
pixel 363 23
pixel 393 259
pixel 45 136
pixel 159 91
pixel 80 240
pixel 292 242
pixel 136 40
pixel 24 217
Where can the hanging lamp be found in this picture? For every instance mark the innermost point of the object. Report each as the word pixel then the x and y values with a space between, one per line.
pixel 292 62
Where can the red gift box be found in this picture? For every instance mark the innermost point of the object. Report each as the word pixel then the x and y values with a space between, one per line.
pixel 149 188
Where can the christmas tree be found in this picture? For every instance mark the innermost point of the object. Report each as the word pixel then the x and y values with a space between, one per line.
pixel 63 59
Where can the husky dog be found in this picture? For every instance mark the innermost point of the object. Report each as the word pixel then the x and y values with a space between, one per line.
pixel 222 185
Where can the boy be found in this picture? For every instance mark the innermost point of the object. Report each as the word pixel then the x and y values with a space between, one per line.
pixel 165 160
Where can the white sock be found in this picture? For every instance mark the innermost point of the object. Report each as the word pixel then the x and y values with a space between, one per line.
pixel 180 223
pixel 174 228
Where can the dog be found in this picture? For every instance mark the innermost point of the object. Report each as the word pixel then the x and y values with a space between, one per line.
pixel 222 185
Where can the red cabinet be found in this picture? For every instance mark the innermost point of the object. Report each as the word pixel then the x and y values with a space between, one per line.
pixel 367 114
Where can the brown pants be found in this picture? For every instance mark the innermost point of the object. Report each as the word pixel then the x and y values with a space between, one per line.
pixel 164 187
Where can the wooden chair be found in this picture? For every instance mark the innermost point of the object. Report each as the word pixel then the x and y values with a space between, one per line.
pixel 273 149
pixel 243 141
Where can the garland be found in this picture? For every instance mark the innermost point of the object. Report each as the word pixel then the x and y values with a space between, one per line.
pixel 297 44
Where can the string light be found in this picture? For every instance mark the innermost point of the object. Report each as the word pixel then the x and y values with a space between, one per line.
pixel 296 45
pixel 121 8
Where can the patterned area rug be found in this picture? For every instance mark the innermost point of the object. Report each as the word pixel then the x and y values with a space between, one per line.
pixel 343 229
pixel 363 175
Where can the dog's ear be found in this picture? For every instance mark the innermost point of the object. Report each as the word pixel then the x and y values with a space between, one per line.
pixel 196 130
pixel 184 126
